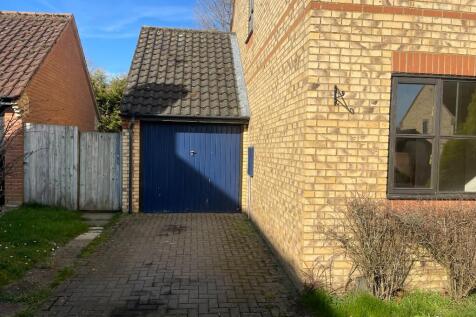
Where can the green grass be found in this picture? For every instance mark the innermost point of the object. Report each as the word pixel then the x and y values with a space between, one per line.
pixel 29 234
pixel 416 304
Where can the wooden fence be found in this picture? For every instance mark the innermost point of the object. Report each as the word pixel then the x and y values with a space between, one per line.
pixel 100 171
pixel 66 168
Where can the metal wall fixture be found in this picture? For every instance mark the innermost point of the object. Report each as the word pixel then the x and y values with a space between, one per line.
pixel 340 101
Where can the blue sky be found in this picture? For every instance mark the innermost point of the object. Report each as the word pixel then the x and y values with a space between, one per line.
pixel 108 28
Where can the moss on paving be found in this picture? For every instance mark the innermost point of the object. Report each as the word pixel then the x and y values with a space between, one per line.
pixel 104 236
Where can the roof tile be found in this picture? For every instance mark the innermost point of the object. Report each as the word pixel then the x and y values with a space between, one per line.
pixel 25 40
pixel 183 73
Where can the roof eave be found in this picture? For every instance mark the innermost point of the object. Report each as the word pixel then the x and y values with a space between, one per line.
pixel 201 119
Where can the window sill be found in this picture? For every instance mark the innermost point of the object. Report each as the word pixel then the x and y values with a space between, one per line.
pixel 423 196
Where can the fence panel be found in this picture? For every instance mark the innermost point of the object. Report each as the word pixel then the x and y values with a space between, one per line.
pixel 51 165
pixel 100 171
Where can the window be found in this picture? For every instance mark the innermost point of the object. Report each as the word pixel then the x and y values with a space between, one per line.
pixel 433 137
pixel 251 13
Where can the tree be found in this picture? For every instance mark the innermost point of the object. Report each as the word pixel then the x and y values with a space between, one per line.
pixel 108 98
pixel 214 14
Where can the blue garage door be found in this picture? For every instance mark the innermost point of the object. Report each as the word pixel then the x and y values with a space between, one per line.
pixel 190 167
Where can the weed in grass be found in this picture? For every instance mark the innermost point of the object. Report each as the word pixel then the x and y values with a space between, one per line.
pixel 416 304
pixel 320 303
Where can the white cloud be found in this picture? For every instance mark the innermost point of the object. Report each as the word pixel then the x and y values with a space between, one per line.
pixel 48 5
pixel 122 19
pixel 159 13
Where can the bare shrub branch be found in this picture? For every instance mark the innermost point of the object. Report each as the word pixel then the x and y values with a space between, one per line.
pixel 447 230
pixel 380 248
pixel 214 14
pixel 319 275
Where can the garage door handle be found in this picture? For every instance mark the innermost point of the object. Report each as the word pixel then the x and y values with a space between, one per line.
pixel 193 153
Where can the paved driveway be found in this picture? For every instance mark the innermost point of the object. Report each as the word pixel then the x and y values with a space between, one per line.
pixel 178 265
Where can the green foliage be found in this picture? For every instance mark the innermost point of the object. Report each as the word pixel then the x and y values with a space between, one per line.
pixel 108 98
pixel 320 303
pixel 29 234
pixel 416 304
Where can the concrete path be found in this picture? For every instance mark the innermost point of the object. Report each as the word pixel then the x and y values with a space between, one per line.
pixel 178 265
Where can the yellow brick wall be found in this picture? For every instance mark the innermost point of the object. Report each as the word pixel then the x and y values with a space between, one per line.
pixel 353 50
pixel 278 105
pixel 135 166
pixel 244 170
pixel 310 155
pixel 453 5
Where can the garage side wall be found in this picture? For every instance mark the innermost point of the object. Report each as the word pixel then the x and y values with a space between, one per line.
pixel 135 165
pixel 244 170
pixel 13 159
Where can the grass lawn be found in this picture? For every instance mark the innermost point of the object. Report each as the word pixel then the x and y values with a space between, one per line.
pixel 29 234
pixel 421 304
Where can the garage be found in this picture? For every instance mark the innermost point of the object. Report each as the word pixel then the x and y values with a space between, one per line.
pixel 185 113
pixel 190 167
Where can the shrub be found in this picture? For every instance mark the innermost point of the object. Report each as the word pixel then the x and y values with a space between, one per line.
pixel 378 245
pixel 448 232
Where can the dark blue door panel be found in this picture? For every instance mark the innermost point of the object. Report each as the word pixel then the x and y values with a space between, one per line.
pixel 190 167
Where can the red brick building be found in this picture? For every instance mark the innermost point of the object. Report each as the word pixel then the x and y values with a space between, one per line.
pixel 43 79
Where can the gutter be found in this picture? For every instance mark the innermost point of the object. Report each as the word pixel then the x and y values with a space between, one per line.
pixel 242 119
pixel 131 128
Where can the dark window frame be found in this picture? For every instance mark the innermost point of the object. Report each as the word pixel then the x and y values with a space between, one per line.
pixel 433 192
pixel 251 17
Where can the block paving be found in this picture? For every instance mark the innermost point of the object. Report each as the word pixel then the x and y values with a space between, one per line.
pixel 178 265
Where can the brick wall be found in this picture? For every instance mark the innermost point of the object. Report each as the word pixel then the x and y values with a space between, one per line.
pixel 244 171
pixel 60 91
pixel 277 91
pixel 13 159
pixel 358 47
pixel 311 155
pixel 135 166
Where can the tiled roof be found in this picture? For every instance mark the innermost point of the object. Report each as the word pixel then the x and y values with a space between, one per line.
pixel 25 40
pixel 186 73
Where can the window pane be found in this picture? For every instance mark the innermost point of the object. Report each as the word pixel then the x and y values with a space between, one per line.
pixel 466 116
pixel 448 110
pixel 412 163
pixel 415 106
pixel 457 165
pixel 458 114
